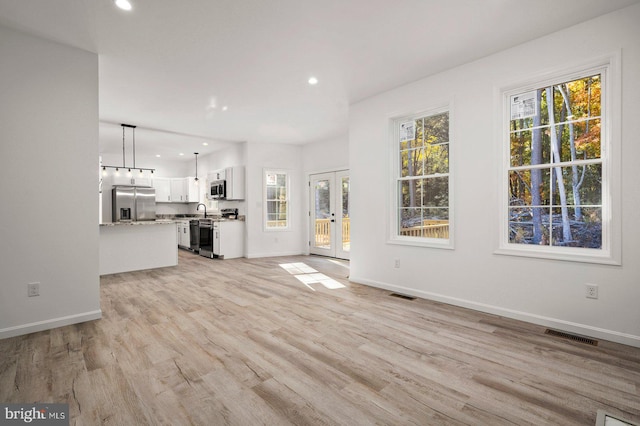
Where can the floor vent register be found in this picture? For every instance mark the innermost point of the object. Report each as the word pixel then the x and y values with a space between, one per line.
pixel 574 337
pixel 402 296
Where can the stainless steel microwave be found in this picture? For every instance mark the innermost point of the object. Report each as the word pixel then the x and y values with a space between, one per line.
pixel 217 190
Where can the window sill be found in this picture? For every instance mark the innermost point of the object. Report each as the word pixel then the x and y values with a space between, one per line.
pixel 567 255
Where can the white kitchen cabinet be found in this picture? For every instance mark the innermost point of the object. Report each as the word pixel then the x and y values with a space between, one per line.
pixel 192 190
pixel 216 175
pixel 176 190
pixel 184 237
pixel 141 181
pixel 123 179
pixel 163 189
pixel 228 239
pixel 235 183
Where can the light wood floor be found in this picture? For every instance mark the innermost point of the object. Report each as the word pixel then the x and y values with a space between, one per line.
pixel 243 342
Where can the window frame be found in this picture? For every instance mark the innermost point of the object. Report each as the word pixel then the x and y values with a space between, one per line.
pixel 265 214
pixel 611 94
pixel 394 203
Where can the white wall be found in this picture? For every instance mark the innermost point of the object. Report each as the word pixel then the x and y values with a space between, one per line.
pixel 49 184
pixel 549 293
pixel 327 155
pixel 261 243
pixel 229 157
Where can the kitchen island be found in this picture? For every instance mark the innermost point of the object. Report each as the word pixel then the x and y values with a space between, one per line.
pixel 134 246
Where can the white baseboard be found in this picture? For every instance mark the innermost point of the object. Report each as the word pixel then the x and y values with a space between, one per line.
pixel 568 326
pixel 49 324
pixel 272 254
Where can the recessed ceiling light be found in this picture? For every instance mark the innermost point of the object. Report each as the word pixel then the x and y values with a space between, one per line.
pixel 123 4
pixel 182 153
pixel 205 144
pixel 224 108
pixel 158 155
pixel 313 81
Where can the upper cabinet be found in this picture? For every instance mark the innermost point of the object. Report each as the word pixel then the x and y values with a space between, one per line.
pixel 176 190
pixel 163 189
pixel 188 190
pixel 192 189
pixel 131 180
pixel 216 175
pixel 235 183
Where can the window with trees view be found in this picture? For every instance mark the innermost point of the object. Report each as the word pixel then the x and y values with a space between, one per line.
pixel 556 176
pixel 276 200
pixel 422 179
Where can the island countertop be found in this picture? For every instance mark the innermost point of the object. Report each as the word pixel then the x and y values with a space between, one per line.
pixel 139 222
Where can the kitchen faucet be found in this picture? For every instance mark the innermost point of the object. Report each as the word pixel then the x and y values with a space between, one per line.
pixel 205 209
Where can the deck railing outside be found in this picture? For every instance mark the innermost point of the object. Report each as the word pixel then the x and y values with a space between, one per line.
pixel 323 232
pixel 428 229
pixel 277 223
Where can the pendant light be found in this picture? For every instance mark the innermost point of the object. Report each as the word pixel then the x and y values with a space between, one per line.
pixel 196 154
pixel 124 164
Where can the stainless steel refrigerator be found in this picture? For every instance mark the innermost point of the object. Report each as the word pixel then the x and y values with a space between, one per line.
pixel 133 203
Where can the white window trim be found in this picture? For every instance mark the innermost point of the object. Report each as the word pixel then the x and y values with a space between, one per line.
pixel 394 167
pixel 611 112
pixel 265 208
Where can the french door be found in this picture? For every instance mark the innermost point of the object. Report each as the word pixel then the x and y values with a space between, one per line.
pixel 329 219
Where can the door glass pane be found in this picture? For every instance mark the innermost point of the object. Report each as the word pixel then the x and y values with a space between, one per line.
pixel 322 192
pixel 346 221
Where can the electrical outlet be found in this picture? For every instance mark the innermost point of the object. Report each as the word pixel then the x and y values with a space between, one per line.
pixel 591 291
pixel 396 263
pixel 33 289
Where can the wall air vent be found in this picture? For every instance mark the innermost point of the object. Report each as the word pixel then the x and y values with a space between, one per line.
pixel 402 296
pixel 574 337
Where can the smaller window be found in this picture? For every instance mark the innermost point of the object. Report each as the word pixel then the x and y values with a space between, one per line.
pixel 276 200
pixel 422 180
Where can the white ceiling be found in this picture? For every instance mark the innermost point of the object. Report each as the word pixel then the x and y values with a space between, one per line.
pixel 170 66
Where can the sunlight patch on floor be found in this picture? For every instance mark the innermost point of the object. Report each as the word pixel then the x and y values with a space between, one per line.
pixel 297 268
pixel 329 283
pixel 307 276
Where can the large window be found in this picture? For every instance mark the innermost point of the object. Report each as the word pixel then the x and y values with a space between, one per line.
pixel 276 185
pixel 557 164
pixel 423 213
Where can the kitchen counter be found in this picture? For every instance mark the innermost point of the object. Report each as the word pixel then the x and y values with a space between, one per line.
pixel 142 222
pixel 126 247
pixel 222 219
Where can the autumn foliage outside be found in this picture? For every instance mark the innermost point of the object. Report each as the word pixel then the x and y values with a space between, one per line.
pixel 555 170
